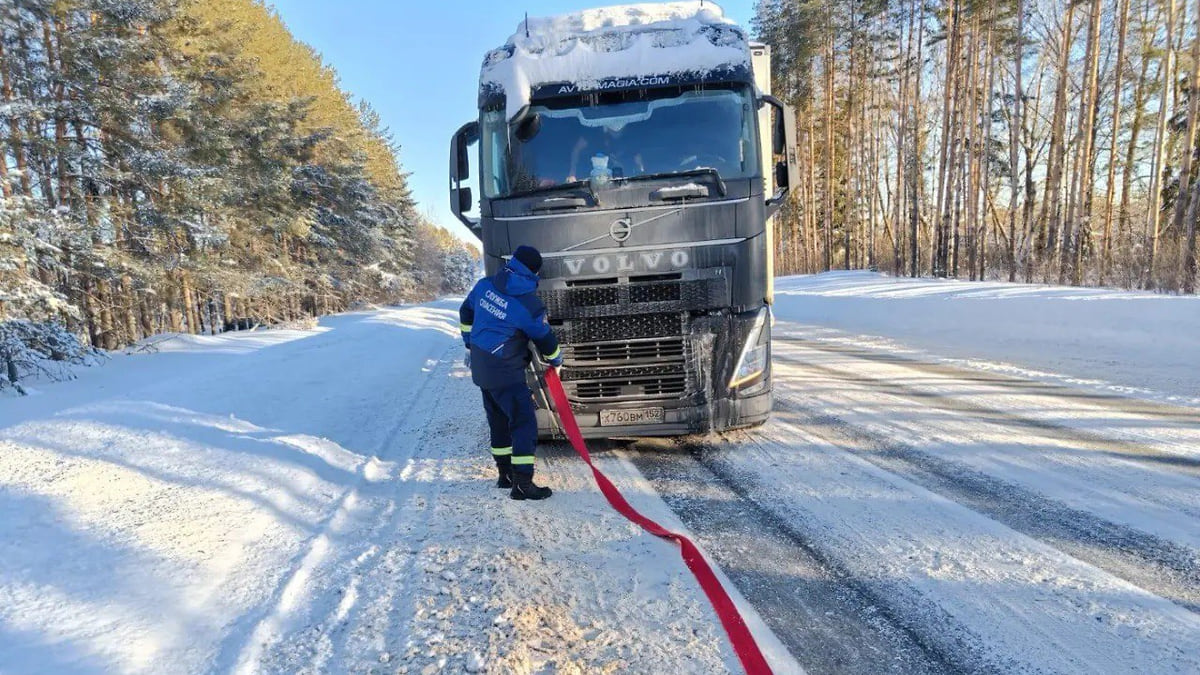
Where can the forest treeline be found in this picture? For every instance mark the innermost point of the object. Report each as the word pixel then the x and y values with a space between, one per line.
pixel 182 165
pixel 1030 140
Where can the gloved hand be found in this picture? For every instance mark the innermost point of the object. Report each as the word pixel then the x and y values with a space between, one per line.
pixel 556 363
pixel 467 359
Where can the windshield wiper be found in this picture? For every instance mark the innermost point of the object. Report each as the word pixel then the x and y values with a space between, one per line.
pixel 573 185
pixel 580 197
pixel 709 172
pixel 573 201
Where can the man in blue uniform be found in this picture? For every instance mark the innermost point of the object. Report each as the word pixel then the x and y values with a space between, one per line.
pixel 499 318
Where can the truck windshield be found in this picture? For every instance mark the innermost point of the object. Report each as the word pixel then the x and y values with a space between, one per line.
pixel 627 134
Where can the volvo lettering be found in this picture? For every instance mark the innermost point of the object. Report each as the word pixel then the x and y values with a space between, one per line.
pixel 627 262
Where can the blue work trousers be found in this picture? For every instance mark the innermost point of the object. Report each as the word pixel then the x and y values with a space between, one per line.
pixel 513 425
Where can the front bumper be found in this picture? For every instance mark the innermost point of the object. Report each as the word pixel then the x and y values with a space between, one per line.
pixel 722 415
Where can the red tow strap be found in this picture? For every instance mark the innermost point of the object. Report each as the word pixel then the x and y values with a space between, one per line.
pixel 735 626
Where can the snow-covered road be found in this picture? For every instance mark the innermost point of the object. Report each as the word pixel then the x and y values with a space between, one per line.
pixel 957 477
pixel 959 490
pixel 317 501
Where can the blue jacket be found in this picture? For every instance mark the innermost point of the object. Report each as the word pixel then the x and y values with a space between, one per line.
pixel 498 319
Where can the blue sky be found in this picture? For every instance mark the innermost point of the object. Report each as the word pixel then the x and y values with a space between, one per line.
pixel 417 62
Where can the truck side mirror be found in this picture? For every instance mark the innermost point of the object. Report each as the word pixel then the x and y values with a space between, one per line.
pixel 778 134
pixel 783 142
pixel 460 171
pixel 463 161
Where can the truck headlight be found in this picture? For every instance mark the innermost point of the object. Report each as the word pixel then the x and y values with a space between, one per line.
pixel 753 359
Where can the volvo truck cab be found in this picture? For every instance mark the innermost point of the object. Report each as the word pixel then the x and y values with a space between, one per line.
pixel 639 149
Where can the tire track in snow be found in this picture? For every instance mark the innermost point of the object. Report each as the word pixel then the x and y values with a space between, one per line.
pixel 354 583
pixel 1174 415
pixel 984 598
pixel 265 626
pixel 723 498
pixel 828 621
pixel 1182 419
pixel 1124 474
pixel 1152 563
pixel 1139 452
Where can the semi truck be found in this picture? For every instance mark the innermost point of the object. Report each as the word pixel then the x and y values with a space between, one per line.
pixel 640 150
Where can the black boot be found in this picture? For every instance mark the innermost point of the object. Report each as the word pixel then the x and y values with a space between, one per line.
pixel 523 487
pixel 504 468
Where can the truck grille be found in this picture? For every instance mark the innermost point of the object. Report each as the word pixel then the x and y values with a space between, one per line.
pixel 595 296
pixel 629 327
pixel 623 299
pixel 629 368
pixel 661 349
pixel 626 384
pixel 626 342
pixel 655 293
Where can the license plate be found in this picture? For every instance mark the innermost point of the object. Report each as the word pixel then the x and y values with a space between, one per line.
pixel 630 417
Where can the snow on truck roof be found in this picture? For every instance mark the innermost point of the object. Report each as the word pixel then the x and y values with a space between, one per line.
pixel 606 44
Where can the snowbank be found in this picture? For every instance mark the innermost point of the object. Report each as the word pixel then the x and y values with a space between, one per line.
pixel 39 350
pixel 1133 343
pixel 609 43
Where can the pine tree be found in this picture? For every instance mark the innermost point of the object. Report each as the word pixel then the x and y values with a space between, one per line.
pixel 1054 140
pixel 175 165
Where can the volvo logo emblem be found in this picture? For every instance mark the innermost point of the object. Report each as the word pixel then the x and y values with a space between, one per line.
pixel 620 230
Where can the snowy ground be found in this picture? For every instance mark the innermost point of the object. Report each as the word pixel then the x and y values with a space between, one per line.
pixel 1138 344
pixel 317 501
pixel 958 478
